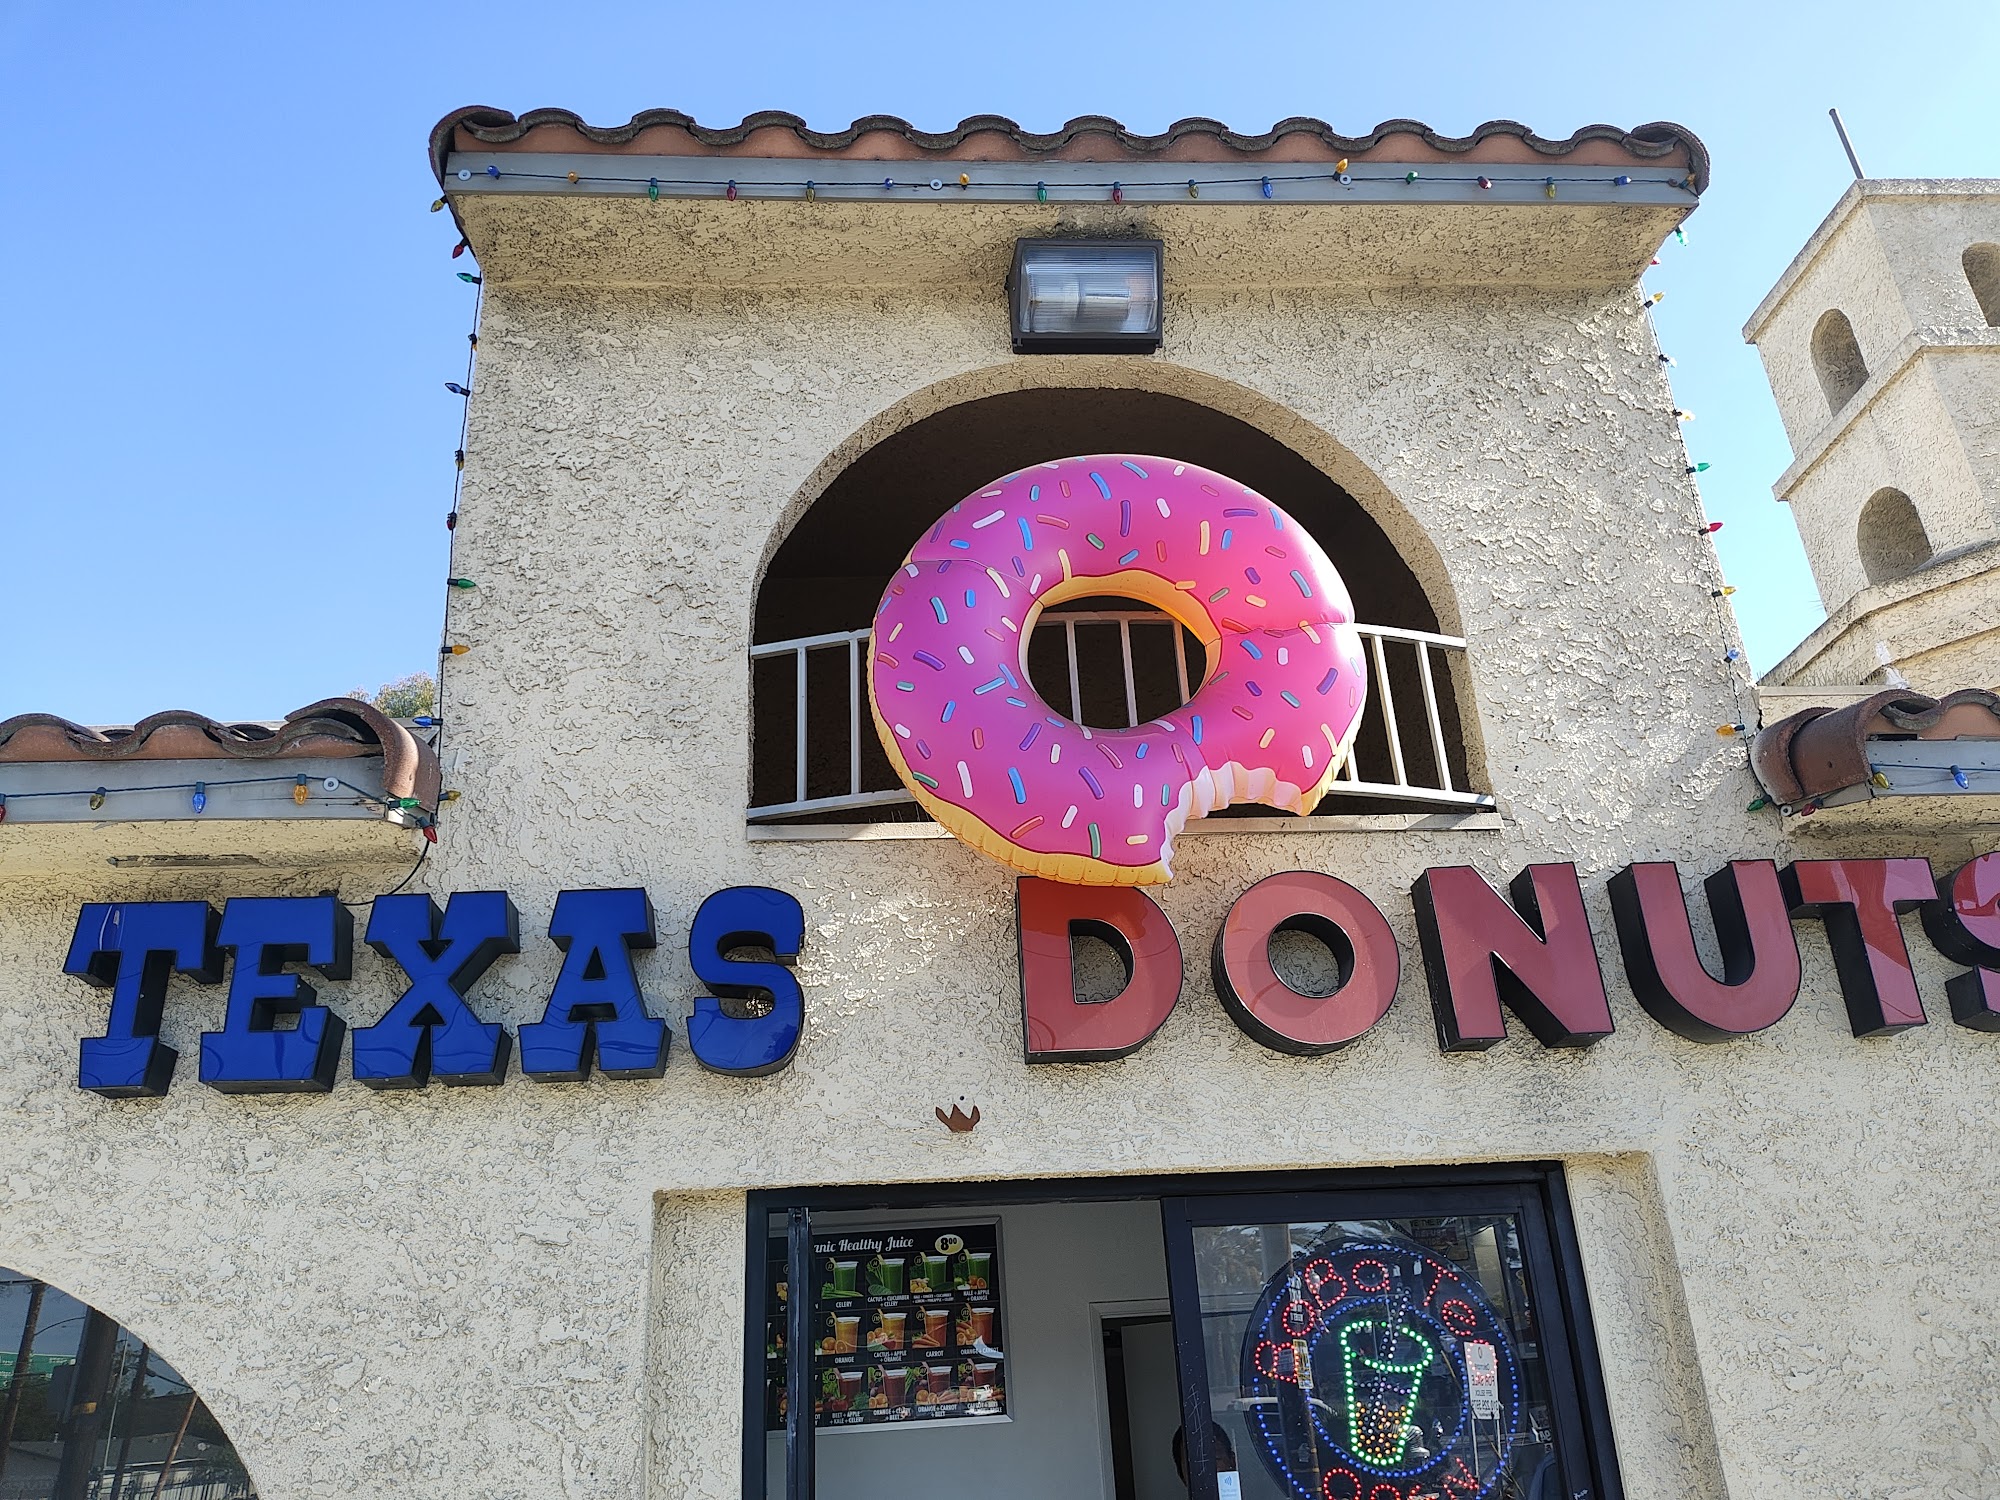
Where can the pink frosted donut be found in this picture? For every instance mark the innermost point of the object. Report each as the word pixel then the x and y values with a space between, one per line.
pixel 980 750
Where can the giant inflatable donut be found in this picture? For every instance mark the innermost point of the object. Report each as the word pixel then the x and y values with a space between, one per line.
pixel 947 681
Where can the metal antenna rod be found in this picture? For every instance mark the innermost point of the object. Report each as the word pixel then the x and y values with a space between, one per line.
pixel 1847 145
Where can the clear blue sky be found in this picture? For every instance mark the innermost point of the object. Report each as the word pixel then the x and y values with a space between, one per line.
pixel 225 446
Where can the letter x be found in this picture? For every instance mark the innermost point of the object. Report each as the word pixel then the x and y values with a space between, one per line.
pixel 431 1031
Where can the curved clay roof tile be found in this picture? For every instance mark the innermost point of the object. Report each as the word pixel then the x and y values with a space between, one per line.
pixel 496 127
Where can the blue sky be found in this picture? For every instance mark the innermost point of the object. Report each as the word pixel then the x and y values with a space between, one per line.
pixel 225 446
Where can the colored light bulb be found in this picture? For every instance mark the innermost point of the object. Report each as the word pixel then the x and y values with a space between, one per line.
pixel 1193 191
pixel 1964 782
pixel 1757 804
pixel 1485 181
pixel 1878 779
pixel 426 721
pixel 430 832
pixel 1680 235
pixel 469 279
pixel 1722 593
pixel 1697 468
pixel 3 808
pixel 406 803
pixel 1264 186
pixel 1685 416
pixel 729 191
pixel 1712 527
pixel 1117 192
pixel 458 458
pixel 450 796
pixel 1622 180
pixel 200 798
pixel 437 204
pixel 1409 177
pixel 460 248
pixel 1341 165
pixel 456 389
pixel 300 791
pixel 1732 654
pixel 572 176
pixel 456 649
pixel 1730 731
pixel 97 799
pixel 461 583
pixel 492 171
pixel 1549 186
pixel 1041 192
pixel 451 521
pixel 964 181
pixel 653 189
pixel 812 192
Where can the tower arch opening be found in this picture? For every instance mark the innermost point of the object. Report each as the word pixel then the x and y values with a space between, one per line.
pixel 1836 357
pixel 1982 271
pixel 1890 536
pixel 1105 661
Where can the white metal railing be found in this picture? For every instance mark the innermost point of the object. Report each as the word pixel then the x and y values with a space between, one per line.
pixel 1351 783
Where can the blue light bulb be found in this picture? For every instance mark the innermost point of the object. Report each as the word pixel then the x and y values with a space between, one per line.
pixel 200 798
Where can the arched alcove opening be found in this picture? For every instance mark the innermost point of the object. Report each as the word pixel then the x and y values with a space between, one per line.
pixel 1982 270
pixel 826 577
pixel 1836 357
pixel 1891 537
pixel 87 1409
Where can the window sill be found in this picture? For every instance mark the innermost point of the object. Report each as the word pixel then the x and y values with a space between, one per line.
pixel 1412 822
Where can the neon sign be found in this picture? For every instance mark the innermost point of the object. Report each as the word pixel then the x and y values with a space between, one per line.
pixel 1376 1371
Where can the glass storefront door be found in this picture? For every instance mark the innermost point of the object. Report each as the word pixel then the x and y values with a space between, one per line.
pixel 1374 1336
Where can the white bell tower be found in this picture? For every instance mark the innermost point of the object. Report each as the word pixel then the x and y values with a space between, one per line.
pixel 1882 345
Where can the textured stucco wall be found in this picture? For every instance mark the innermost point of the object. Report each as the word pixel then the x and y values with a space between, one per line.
pixel 537 1289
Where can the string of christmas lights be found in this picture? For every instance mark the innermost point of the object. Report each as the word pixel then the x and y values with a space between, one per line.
pixel 454 583
pixel 302 791
pixel 1738 726
pixel 810 189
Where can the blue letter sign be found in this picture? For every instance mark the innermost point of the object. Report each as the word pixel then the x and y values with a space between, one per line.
pixel 747 916
pixel 430 1030
pixel 251 1055
pixel 131 947
pixel 597 1000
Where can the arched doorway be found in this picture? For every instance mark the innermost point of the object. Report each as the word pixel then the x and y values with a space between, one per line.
pixel 89 1412
pixel 814 753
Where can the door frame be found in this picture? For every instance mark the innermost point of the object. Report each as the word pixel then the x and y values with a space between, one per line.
pixel 1542 1181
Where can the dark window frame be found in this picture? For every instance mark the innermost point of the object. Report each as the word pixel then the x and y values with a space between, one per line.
pixel 1417 1191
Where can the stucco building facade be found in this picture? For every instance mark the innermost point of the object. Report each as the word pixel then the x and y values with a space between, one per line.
pixel 1750 1264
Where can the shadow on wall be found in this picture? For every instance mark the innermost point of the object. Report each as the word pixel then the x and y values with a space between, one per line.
pixel 829 573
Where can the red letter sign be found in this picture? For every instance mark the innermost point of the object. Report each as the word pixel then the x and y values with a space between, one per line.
pixel 1760 957
pixel 1964 925
pixel 1270 1010
pixel 1540 961
pixel 1858 900
pixel 1056 1027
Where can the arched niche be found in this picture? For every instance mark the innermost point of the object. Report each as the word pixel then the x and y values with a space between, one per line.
pixel 843 539
pixel 1890 536
pixel 1982 272
pixel 1836 357
pixel 89 1411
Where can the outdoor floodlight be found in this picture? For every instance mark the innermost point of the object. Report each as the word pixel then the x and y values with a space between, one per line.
pixel 1085 296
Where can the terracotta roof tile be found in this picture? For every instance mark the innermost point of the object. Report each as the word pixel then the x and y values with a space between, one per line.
pixel 773 133
pixel 331 727
pixel 1817 752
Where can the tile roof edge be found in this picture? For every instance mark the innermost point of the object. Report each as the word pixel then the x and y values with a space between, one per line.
pixel 409 765
pixel 499 127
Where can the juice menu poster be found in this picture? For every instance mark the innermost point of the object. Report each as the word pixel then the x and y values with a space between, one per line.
pixel 907 1326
